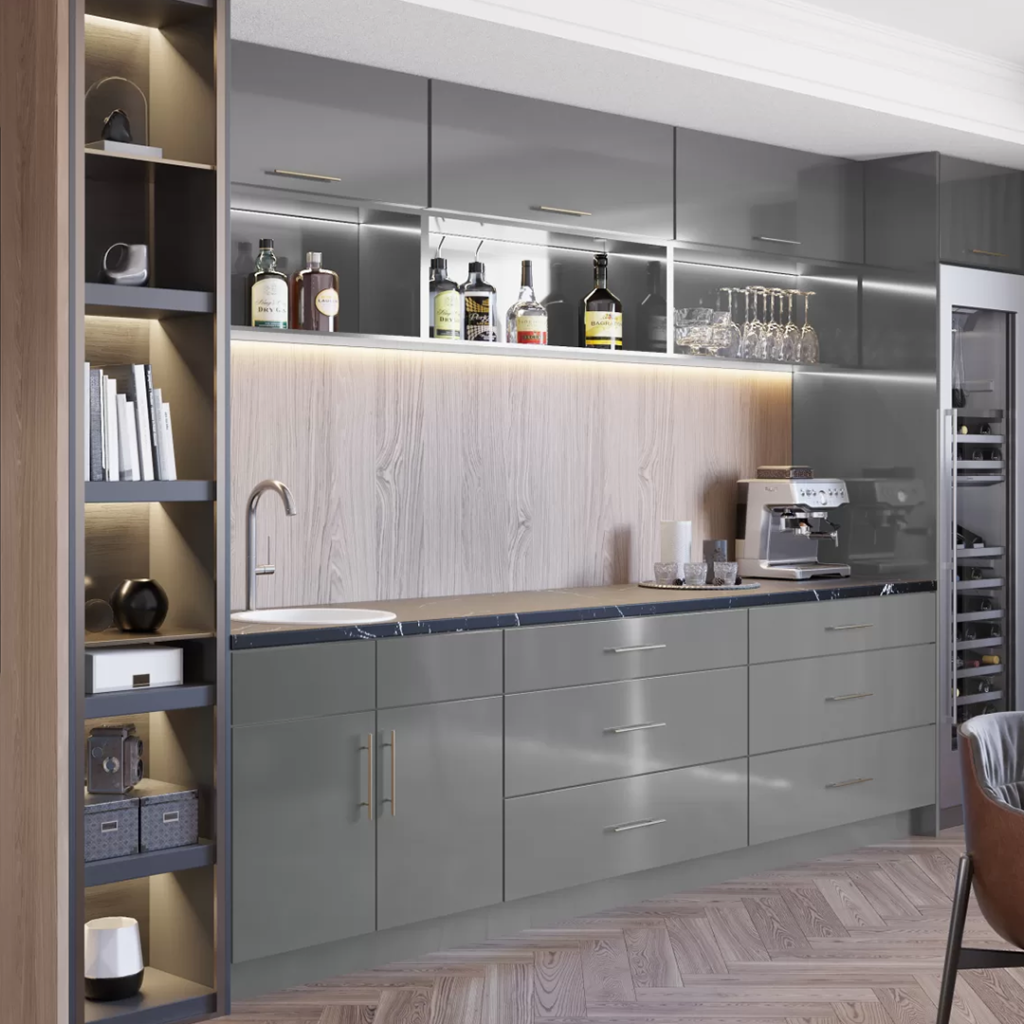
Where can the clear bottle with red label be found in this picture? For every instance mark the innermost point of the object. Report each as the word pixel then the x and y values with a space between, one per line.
pixel 315 301
pixel 527 320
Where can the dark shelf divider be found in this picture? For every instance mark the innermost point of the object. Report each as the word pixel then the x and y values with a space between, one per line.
pixel 144 701
pixel 154 13
pixel 97 491
pixel 159 862
pixel 164 997
pixel 155 303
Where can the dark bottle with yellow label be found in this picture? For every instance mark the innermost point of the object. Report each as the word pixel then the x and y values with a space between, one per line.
pixel 315 301
pixel 445 302
pixel 601 312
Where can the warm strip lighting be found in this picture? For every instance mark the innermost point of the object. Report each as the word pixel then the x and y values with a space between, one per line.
pixel 870 376
pixel 127 26
pixel 325 220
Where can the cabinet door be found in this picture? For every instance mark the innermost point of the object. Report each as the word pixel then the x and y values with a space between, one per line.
pixel 339 129
pixel 746 195
pixel 981 214
pixel 439 843
pixel 302 840
pixel 509 156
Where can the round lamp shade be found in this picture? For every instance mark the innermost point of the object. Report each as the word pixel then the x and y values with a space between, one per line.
pixel 113 958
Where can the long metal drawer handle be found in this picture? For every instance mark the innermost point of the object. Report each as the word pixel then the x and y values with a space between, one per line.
pixel 848 782
pixel 392 800
pixel 842 629
pixel 781 241
pixel 368 804
pixel 568 213
pixel 848 696
pixel 637 728
pixel 639 647
pixel 987 252
pixel 633 825
pixel 303 174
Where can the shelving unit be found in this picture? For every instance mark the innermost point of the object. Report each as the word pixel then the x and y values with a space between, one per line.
pixel 993 696
pixel 984 552
pixel 174 531
pixel 987 584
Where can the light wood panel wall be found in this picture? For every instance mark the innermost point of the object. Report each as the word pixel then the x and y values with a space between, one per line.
pixel 34 618
pixel 434 474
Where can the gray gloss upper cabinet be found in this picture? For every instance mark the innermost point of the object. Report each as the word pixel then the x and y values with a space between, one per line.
pixel 981 215
pixel 439 799
pixel 747 195
pixel 510 156
pixel 358 132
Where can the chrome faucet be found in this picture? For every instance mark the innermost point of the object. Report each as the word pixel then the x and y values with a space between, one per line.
pixel 252 570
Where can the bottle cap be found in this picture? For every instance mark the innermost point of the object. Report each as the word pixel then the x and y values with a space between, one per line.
pixel 439 263
pixel 601 259
pixel 315 257
pixel 476 267
pixel 266 243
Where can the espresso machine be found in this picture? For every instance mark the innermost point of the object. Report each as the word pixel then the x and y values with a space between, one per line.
pixel 781 518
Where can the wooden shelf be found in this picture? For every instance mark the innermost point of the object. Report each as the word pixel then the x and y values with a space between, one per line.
pixel 146 700
pixel 167 634
pixel 164 161
pixel 992 552
pixel 159 862
pixel 164 997
pixel 152 303
pixel 980 698
pixel 100 491
pixel 988 584
pixel 154 13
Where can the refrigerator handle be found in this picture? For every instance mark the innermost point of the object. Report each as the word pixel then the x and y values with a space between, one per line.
pixel 948 561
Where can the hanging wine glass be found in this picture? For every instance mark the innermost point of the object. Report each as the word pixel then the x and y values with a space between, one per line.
pixel 776 329
pixel 808 348
pixel 791 332
pixel 751 325
pixel 762 351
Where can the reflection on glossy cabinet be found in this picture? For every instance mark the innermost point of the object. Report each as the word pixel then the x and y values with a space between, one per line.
pixel 302 838
pixel 439 797
pixel 747 195
pixel 311 124
pixel 981 214
pixel 510 156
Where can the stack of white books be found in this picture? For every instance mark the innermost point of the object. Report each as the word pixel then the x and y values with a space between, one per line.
pixel 127 425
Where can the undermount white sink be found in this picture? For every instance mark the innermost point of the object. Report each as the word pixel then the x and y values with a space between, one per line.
pixel 315 616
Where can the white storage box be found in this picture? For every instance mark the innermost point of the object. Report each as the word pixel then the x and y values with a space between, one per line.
pixel 132 668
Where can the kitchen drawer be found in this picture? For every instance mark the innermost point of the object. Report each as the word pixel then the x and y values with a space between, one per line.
pixel 449 666
pixel 798 791
pixel 583 734
pixel 784 632
pixel 545 657
pixel 554 840
pixel 305 680
pixel 799 703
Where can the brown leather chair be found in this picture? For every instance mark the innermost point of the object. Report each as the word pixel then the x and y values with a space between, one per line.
pixel 992 768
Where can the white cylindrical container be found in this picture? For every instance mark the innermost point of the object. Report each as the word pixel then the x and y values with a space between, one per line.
pixel 676 541
pixel 113 958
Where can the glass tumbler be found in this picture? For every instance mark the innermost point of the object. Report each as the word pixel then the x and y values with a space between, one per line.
pixel 725 573
pixel 695 574
pixel 666 572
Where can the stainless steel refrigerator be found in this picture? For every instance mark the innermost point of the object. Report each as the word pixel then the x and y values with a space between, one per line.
pixel 981 380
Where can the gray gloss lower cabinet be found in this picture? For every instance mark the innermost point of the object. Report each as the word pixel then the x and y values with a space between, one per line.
pixel 439 845
pixel 302 846
pixel 571 836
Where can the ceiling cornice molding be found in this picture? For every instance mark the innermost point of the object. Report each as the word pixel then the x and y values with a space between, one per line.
pixel 791 45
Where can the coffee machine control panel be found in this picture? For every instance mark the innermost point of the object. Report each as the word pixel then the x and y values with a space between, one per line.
pixel 811 493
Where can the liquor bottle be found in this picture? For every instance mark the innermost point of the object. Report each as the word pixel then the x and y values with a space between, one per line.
pixel 600 311
pixel 315 301
pixel 972 603
pixel 653 313
pixel 527 320
pixel 445 302
pixel 268 290
pixel 968 631
pixel 479 306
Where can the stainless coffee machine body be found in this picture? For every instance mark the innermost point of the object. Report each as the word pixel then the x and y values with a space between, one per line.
pixel 780 525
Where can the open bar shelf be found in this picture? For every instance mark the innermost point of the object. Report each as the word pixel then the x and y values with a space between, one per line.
pixel 154 13
pixel 167 634
pixel 152 303
pixel 146 700
pixel 149 159
pixel 100 491
pixel 158 862
pixel 164 997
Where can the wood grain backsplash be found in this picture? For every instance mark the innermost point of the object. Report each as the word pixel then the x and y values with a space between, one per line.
pixel 428 474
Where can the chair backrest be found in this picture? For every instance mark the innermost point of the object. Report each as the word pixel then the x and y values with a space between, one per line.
pixel 992 765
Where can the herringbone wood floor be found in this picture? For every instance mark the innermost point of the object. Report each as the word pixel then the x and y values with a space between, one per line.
pixel 851 939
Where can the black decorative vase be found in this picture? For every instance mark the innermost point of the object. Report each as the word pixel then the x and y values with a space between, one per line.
pixel 140 606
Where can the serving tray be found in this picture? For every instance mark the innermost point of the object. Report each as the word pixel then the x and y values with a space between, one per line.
pixel 651 585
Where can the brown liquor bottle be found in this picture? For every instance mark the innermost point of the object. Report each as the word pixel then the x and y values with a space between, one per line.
pixel 601 312
pixel 315 300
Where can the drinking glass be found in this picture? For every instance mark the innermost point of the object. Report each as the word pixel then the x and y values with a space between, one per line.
pixel 725 335
pixel 725 573
pixel 751 325
pixel 696 330
pixel 791 332
pixel 666 572
pixel 776 330
pixel 695 574
pixel 807 350
pixel 762 347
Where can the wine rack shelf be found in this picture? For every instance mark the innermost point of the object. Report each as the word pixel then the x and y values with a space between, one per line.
pixel 979 672
pixel 991 697
pixel 992 615
pixel 992 552
pixel 988 584
pixel 980 645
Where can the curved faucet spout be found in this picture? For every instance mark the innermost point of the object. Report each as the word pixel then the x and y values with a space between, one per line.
pixel 252 570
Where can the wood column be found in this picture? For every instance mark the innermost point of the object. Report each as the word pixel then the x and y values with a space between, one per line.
pixel 35 253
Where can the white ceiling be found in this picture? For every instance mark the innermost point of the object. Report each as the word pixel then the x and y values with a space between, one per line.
pixel 789 72
pixel 991 27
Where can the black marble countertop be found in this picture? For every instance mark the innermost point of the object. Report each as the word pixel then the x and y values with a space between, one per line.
pixel 417 616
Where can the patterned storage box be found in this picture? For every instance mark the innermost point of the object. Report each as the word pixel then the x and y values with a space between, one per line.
pixel 111 826
pixel 169 815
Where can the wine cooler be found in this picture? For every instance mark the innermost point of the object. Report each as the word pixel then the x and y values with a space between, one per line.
pixel 980 385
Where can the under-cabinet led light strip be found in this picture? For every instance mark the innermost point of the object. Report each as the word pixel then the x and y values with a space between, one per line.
pixel 326 220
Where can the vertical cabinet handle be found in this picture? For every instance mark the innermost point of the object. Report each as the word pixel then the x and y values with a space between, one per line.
pixel 368 803
pixel 392 800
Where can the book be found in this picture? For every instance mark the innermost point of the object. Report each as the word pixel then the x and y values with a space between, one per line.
pixel 113 463
pixel 123 428
pixel 95 426
pixel 131 380
pixel 133 441
pixel 147 373
pixel 167 440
